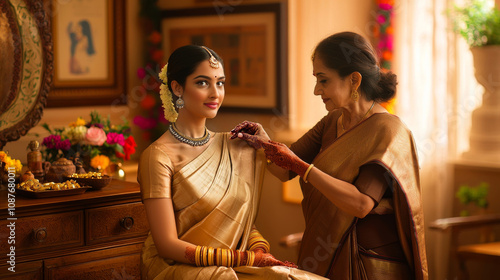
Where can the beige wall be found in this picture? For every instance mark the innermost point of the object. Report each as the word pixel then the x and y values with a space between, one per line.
pixel 58 117
pixel 309 22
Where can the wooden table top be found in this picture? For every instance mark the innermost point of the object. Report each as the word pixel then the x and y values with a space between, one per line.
pixel 116 192
pixel 491 249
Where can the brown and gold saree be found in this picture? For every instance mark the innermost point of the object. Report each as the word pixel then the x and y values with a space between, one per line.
pixel 330 246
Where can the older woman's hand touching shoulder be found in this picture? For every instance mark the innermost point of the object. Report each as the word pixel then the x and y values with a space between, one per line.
pixel 276 152
pixel 246 129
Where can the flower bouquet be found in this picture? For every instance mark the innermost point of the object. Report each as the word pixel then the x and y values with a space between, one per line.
pixel 8 164
pixel 97 142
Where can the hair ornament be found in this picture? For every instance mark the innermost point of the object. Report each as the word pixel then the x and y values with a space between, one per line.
pixel 166 96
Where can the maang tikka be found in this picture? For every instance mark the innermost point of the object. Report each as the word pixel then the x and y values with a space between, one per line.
pixel 214 63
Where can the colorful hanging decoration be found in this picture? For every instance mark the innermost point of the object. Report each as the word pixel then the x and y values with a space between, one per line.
pixel 383 36
pixel 152 121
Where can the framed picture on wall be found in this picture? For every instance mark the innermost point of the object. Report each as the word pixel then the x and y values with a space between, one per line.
pixel 250 39
pixel 89 53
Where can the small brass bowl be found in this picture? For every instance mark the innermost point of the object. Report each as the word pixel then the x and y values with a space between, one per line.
pixel 95 183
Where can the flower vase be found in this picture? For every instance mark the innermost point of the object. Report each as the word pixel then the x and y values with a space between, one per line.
pixel 485 125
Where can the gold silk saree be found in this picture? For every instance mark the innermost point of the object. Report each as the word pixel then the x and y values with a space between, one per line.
pixel 329 246
pixel 215 199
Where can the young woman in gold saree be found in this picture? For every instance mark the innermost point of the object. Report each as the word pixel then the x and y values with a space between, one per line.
pixel 359 169
pixel 201 191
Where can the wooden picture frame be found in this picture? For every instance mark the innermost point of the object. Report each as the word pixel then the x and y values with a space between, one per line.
pixel 251 40
pixel 27 70
pixel 89 53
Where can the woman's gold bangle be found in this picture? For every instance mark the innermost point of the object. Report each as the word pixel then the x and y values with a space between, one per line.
pixel 307 173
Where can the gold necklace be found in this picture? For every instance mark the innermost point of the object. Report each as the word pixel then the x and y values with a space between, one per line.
pixel 342 117
pixel 189 140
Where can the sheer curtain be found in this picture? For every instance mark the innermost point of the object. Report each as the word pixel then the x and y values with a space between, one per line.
pixel 436 94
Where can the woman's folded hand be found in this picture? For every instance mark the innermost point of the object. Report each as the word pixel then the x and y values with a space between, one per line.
pixel 266 259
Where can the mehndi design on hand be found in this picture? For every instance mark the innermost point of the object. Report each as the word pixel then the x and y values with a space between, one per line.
pixel 282 156
pixel 245 127
pixel 250 132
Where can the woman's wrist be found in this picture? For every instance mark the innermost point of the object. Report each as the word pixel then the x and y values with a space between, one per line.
pixel 306 174
pixel 208 256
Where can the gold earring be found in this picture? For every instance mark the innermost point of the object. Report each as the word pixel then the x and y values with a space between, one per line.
pixel 355 95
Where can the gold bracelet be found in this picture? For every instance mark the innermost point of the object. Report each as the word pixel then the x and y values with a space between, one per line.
pixel 197 256
pixel 210 256
pixel 224 258
pixel 307 173
pixel 204 254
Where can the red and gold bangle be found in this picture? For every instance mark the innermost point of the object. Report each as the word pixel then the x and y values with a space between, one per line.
pixel 250 258
pixel 257 241
pixel 208 256
pixel 307 173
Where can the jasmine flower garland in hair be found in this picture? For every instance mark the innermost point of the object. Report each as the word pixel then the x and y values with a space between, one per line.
pixel 166 97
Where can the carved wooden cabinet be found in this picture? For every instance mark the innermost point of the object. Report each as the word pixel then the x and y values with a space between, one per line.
pixel 94 235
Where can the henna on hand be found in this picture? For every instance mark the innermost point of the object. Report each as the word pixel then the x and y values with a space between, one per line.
pixel 190 254
pixel 282 156
pixel 245 127
pixel 266 259
pixel 255 141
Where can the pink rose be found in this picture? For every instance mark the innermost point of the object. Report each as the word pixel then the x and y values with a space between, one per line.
pixel 95 136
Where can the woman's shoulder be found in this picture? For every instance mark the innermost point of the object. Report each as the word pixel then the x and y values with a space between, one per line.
pixel 157 149
pixel 389 125
pixel 389 120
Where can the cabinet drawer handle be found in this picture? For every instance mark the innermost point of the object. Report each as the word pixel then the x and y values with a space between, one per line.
pixel 40 234
pixel 127 222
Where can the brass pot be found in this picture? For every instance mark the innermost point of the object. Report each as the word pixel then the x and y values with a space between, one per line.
pixel 58 170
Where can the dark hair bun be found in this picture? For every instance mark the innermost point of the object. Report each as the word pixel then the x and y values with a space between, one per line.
pixel 386 87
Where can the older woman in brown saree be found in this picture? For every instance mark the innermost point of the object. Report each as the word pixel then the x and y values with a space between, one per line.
pixel 359 169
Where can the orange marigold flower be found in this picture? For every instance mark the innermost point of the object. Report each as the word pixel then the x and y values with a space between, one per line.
pixel 387 55
pixel 100 162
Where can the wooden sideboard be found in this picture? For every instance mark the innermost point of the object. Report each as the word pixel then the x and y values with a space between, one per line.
pixel 94 235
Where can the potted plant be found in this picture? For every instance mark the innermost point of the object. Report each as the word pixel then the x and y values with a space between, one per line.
pixel 479 24
pixel 473 195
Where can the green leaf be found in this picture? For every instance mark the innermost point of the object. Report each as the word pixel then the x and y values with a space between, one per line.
pixel 477 23
pixel 118 148
pixel 46 126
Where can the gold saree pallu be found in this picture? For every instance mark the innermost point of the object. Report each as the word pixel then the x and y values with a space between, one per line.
pixel 215 198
